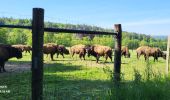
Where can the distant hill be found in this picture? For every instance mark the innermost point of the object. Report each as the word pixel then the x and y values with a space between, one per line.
pixel 162 37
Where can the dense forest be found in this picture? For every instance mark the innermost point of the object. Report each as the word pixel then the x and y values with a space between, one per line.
pixel 23 36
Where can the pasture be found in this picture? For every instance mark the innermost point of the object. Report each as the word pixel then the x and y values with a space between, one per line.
pixel 74 79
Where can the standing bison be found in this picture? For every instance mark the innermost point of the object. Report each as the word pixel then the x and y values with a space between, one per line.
pixel 62 50
pixel 78 49
pixel 7 52
pixel 125 52
pixel 50 49
pixel 150 51
pixel 155 53
pixel 99 50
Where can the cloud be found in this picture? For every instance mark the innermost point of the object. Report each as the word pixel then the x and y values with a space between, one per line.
pixel 147 22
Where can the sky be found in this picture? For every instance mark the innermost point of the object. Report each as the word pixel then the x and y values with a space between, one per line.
pixel 150 17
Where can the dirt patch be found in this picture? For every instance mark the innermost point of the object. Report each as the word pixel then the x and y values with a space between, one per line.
pixel 17 67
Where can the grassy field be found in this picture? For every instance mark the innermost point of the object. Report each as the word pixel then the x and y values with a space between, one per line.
pixel 74 79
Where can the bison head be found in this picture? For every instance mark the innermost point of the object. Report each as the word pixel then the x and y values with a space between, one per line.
pixel 16 53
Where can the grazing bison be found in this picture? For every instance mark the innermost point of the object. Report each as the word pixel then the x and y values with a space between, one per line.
pixel 50 49
pixel 141 51
pixel 78 49
pixel 99 50
pixel 125 52
pixel 154 52
pixel 62 50
pixel 7 52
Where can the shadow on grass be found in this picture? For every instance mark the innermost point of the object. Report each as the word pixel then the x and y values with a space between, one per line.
pixel 59 67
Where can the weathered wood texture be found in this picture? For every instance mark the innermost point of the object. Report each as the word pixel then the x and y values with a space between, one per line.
pixel 37 53
pixel 117 53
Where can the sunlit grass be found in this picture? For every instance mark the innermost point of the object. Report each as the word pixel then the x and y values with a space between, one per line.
pixel 72 78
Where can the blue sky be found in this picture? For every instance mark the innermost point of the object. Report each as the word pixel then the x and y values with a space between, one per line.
pixel 141 16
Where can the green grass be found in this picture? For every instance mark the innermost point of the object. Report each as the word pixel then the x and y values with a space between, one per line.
pixel 75 79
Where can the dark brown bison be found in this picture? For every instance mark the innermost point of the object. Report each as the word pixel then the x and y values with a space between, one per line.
pixel 62 50
pixel 99 50
pixel 7 52
pixel 141 51
pixel 78 49
pixel 125 52
pixel 154 52
pixel 50 49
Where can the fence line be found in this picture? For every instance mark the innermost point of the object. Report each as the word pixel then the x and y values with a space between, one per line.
pixel 62 30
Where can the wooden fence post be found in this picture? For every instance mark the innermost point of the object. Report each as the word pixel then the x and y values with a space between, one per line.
pixel 167 55
pixel 117 52
pixel 37 53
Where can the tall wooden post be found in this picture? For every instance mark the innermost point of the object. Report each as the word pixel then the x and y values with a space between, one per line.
pixel 37 53
pixel 117 53
pixel 167 55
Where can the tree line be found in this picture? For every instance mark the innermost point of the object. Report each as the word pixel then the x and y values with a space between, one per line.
pixel 23 36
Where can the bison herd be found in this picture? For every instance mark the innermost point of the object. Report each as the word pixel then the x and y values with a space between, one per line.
pixel 10 51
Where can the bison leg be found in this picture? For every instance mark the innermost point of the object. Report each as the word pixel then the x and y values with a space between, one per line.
pixel 52 56
pixel 97 58
pixel 155 58
pixel 72 54
pixel 106 56
pixel 57 54
pixel 84 57
pixel 2 67
pixel 110 58
pixel 62 55
pixel 146 57
pixel 80 56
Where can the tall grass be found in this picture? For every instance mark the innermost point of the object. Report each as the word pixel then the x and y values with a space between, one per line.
pixel 150 86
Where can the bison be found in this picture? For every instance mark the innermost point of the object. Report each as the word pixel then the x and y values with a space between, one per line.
pixel 125 52
pixel 150 51
pixel 7 52
pixel 99 50
pixel 62 50
pixel 78 49
pixel 50 49
pixel 154 52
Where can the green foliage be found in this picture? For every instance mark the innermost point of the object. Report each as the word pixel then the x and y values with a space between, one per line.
pixel 20 36
pixel 3 35
pixel 16 36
